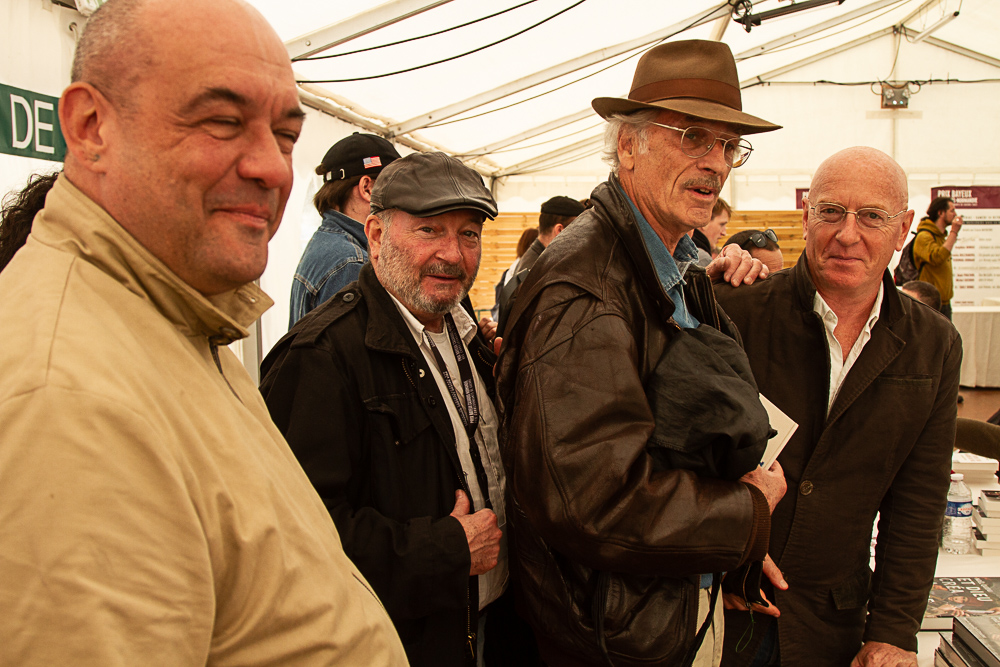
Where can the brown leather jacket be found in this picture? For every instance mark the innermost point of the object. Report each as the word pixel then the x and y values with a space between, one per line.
pixel 598 532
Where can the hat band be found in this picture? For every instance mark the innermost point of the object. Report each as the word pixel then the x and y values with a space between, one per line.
pixel 710 90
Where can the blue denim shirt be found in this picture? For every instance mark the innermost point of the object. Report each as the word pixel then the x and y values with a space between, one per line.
pixel 332 259
pixel 669 269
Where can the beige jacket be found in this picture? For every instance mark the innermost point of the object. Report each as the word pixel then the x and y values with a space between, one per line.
pixel 150 512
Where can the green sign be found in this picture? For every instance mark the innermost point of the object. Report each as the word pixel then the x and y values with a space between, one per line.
pixel 29 125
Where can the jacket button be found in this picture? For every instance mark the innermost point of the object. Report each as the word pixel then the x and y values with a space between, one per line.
pixel 421 372
pixel 431 401
pixel 806 487
pixel 349 297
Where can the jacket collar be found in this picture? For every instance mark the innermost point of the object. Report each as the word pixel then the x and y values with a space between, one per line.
pixel 611 195
pixel 350 226
pixel 893 308
pixel 75 224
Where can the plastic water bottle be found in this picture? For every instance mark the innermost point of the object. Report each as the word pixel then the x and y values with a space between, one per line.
pixel 957 517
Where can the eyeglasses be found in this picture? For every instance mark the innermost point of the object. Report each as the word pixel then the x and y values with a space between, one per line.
pixel 834 214
pixel 698 141
pixel 760 239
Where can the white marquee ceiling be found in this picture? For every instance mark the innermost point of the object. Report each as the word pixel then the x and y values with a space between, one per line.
pixel 524 104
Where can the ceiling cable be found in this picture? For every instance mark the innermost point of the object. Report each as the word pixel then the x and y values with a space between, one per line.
pixel 450 58
pixel 413 39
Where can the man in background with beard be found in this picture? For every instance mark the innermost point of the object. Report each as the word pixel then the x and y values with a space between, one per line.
pixel 385 394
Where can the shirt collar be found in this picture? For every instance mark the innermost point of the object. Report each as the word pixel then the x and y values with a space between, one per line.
pixel 830 318
pixel 348 224
pixel 465 325
pixel 670 270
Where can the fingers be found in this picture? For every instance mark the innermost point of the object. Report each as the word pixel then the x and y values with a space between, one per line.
pixel 461 504
pixel 773 574
pixel 496 345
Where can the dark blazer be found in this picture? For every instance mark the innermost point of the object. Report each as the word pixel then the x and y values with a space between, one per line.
pixel 349 389
pixel 884 448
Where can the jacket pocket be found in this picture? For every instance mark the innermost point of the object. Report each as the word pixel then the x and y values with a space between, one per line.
pixel 854 591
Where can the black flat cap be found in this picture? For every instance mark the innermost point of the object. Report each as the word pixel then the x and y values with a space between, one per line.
pixel 429 184
pixel 563 206
pixel 356 155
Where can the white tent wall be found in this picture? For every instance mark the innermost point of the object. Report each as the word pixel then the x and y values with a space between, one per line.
pixel 36 53
pixel 947 135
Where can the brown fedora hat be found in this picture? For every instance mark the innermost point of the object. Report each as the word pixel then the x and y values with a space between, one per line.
pixel 694 77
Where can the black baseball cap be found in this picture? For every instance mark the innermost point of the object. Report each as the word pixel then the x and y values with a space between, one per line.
pixel 429 184
pixel 356 155
pixel 566 206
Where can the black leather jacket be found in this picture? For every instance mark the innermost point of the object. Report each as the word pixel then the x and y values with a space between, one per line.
pixel 599 531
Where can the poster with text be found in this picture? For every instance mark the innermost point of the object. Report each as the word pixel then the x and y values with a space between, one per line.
pixel 975 259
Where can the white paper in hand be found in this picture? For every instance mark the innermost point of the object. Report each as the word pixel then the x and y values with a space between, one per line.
pixel 781 423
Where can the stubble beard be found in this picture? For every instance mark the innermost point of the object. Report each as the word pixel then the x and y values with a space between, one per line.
pixel 401 278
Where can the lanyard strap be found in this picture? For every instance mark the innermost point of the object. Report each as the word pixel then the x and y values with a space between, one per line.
pixel 470 416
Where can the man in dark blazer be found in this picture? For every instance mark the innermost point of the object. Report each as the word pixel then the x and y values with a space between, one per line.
pixel 871 378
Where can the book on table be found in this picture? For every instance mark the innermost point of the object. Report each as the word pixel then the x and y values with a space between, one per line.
pixel 982 635
pixel 960 596
pixel 989 502
pixel 955 653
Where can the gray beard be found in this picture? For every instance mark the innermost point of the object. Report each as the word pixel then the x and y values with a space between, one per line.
pixel 398 278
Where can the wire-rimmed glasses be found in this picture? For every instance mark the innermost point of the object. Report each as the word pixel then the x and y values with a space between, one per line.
pixel 698 141
pixel 871 217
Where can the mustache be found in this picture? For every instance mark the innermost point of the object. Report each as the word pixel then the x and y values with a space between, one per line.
pixel 713 182
pixel 444 269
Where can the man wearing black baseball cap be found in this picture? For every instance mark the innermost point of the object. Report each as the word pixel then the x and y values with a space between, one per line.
pixel 338 248
pixel 555 216
pixel 385 395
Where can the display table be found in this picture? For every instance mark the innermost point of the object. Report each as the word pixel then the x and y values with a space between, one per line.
pixel 950 565
pixel 980 330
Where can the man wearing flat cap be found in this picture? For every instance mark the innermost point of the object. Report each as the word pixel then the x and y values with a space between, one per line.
pixel 556 215
pixel 338 248
pixel 385 394
pixel 628 498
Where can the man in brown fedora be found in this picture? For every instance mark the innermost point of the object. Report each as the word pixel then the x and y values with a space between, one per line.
pixel 627 494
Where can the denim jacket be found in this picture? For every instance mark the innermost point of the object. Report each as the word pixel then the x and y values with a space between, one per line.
pixel 332 259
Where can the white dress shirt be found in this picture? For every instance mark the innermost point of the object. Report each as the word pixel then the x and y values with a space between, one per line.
pixel 840 364
pixel 492 583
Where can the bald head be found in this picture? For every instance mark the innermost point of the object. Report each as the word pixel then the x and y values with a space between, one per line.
pixel 120 42
pixel 180 124
pixel 866 163
pixel 848 258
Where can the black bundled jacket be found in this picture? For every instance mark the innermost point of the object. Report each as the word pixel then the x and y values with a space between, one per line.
pixel 349 389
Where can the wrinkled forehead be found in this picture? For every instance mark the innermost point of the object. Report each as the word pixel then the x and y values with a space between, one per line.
pixel 863 178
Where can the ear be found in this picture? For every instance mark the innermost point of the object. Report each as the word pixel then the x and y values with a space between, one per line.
pixel 365 188
pixel 86 118
pixel 374 231
pixel 626 151
pixel 557 230
pixel 904 229
pixel 805 218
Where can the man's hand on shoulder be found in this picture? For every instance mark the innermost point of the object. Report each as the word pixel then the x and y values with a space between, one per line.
pixel 481 531
pixel 771 483
pixel 735 266
pixel 879 654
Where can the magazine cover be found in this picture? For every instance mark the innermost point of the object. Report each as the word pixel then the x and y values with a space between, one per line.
pixel 960 596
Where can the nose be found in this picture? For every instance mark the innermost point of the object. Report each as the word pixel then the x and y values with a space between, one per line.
pixel 450 249
pixel 715 159
pixel 848 231
pixel 264 161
